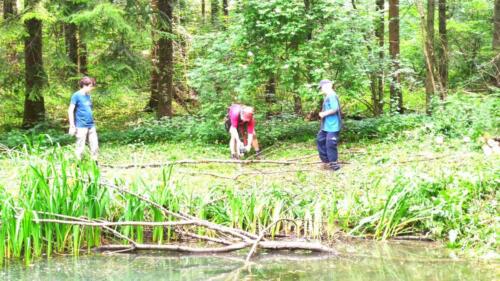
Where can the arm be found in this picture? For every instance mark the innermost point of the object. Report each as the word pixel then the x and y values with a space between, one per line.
pixel 249 142
pixel 71 118
pixel 328 112
pixel 334 108
pixel 251 133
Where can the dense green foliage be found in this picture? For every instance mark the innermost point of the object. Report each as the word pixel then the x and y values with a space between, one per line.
pixel 290 44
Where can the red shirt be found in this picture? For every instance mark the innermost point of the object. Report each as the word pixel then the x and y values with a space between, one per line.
pixel 234 116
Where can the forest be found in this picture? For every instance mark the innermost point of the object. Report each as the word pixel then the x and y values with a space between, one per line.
pixel 418 82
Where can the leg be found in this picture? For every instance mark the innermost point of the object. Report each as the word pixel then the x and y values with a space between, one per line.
pixel 233 147
pixel 81 136
pixel 243 133
pixel 93 143
pixel 332 140
pixel 321 144
pixel 255 143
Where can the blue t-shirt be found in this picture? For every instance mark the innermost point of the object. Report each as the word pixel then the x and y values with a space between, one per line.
pixel 83 110
pixel 331 123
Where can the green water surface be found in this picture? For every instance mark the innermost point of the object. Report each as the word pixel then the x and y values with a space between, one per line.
pixel 361 261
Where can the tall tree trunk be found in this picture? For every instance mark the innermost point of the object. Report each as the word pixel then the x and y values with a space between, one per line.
pixel 496 41
pixel 430 83
pixel 443 50
pixel 203 12
pixel 225 7
pixel 154 80
pixel 271 90
pixel 310 25
pixel 297 101
pixel 82 54
pixel 165 58
pixel 378 79
pixel 396 94
pixel 8 8
pixel 71 40
pixel 9 11
pixel 35 77
pixel 214 12
pixel 496 26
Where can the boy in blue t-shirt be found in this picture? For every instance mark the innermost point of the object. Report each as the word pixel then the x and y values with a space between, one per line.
pixel 331 123
pixel 81 120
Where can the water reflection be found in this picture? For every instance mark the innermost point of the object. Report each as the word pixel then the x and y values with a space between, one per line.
pixel 366 261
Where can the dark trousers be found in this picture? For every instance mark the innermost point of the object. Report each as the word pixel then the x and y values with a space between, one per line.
pixel 327 146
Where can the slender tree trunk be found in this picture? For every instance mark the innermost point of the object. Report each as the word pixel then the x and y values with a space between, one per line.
pixel 396 94
pixel 443 50
pixel 430 83
pixel 71 39
pixel 9 11
pixel 310 25
pixel 225 7
pixel 154 81
pixel 271 90
pixel 214 5
pixel 8 8
pixel 203 11
pixel 496 41
pixel 496 26
pixel 297 101
pixel 82 54
pixel 165 58
pixel 378 79
pixel 36 80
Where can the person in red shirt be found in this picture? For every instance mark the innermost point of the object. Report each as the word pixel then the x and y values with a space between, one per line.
pixel 240 121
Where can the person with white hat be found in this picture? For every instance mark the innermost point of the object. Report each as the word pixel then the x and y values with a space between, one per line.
pixel 331 124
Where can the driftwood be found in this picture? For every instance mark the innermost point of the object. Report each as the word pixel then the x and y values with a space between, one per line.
pixel 236 176
pixel 233 239
pixel 210 161
pixel 270 245
pixel 229 246
pixel 230 239
pixel 246 236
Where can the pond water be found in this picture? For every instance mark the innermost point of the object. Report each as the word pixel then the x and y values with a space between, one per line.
pixel 360 261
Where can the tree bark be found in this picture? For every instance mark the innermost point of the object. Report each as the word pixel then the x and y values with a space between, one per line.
pixel 378 79
pixel 225 7
pixel 165 58
pixel 496 26
pixel 496 41
pixel 430 83
pixel 443 50
pixel 82 54
pixel 35 77
pixel 155 77
pixel 8 8
pixel 152 105
pixel 214 11
pixel 71 40
pixel 395 90
pixel 203 7
pixel 271 90
pixel 297 101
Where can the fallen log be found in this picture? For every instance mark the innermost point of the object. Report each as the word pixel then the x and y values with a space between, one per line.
pixel 270 245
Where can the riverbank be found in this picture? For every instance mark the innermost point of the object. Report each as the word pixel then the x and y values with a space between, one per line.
pixel 446 192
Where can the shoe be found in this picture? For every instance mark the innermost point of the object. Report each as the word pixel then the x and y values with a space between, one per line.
pixel 258 155
pixel 334 166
